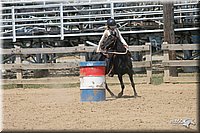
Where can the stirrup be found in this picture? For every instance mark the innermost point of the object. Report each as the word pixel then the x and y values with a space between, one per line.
pixel 131 58
pixel 110 74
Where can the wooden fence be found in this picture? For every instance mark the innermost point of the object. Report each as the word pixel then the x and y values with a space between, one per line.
pixel 167 63
pixel 81 49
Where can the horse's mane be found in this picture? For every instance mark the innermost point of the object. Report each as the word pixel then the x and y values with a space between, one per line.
pixel 118 46
pixel 113 44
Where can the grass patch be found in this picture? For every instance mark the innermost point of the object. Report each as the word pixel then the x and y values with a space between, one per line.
pixel 38 86
pixel 13 86
pixel 157 80
pixel 49 86
pixel 72 85
pixel 9 86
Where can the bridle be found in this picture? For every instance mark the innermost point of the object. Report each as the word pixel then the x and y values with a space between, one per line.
pixel 112 47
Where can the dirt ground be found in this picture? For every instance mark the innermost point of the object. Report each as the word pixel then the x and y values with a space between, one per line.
pixel 160 107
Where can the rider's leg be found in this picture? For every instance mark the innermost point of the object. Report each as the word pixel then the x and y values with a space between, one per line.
pixel 108 65
pixel 129 54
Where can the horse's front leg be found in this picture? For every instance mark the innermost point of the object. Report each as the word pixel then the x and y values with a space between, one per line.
pixel 111 93
pixel 133 84
pixel 122 85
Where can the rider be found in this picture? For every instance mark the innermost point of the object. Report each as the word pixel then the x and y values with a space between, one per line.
pixel 111 29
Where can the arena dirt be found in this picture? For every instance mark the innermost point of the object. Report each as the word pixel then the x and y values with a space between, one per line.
pixel 158 108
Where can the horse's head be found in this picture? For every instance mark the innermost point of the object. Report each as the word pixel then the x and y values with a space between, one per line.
pixel 109 43
pixel 112 43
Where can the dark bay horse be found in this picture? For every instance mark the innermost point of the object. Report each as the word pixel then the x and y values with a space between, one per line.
pixel 122 62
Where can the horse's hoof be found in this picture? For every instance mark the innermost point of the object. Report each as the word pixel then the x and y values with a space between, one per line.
pixel 136 95
pixel 120 95
pixel 110 75
pixel 114 96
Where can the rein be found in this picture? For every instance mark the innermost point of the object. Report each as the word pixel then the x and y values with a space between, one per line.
pixel 113 40
pixel 116 52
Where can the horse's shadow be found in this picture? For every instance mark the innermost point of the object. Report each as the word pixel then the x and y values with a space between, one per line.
pixel 128 96
pixel 124 96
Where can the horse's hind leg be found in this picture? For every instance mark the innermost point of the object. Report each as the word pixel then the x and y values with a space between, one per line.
pixel 133 84
pixel 112 94
pixel 122 85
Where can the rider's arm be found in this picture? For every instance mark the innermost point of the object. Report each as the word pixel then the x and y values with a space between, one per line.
pixel 122 39
pixel 105 34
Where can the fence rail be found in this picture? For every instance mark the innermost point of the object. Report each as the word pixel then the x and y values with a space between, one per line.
pixel 167 63
pixel 75 49
pixel 81 49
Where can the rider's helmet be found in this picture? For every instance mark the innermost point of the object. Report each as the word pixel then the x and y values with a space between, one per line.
pixel 111 22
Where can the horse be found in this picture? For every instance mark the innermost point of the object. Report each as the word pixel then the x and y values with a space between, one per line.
pixel 122 62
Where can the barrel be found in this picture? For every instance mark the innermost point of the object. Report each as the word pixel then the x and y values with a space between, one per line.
pixel 92 81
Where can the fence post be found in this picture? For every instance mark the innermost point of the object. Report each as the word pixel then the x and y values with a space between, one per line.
pixel 13 24
pixel 61 22
pixel 166 68
pixel 19 71
pixel 112 9
pixel 149 58
pixel 18 61
pixel 82 55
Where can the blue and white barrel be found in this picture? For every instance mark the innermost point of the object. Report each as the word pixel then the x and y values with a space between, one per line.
pixel 92 81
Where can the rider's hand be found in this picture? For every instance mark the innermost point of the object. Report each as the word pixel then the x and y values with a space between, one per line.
pixel 125 46
pixel 98 51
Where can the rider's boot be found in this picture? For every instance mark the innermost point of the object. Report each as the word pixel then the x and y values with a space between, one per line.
pixel 129 54
pixel 111 74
